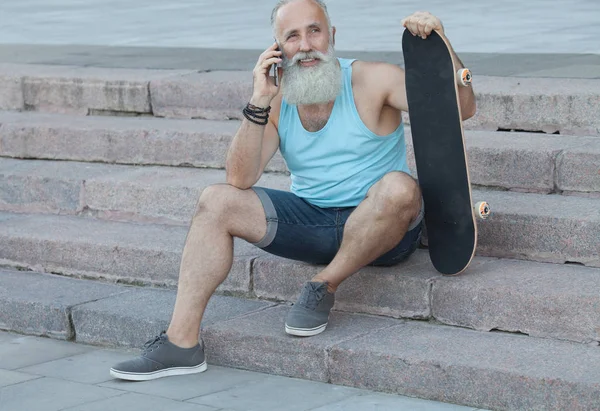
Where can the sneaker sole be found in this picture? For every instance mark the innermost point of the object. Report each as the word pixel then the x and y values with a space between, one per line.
pixel 132 376
pixel 305 332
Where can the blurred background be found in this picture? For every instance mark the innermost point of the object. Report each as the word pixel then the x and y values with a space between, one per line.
pixel 483 26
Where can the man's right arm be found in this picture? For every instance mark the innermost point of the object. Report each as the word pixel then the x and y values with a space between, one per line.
pixel 255 144
pixel 251 149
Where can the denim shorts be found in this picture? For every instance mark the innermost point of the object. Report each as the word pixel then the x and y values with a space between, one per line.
pixel 298 230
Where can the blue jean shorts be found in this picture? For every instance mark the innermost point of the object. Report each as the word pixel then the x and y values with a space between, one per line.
pixel 298 230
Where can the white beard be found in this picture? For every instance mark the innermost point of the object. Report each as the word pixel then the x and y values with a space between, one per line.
pixel 312 85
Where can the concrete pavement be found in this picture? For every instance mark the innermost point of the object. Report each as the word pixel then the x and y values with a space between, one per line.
pixel 44 374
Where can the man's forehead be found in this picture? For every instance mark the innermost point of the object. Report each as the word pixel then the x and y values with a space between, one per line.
pixel 299 14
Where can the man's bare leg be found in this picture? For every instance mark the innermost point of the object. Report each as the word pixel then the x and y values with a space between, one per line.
pixel 376 226
pixel 223 212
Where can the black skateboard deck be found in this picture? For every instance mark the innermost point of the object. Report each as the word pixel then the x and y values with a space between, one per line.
pixel 437 134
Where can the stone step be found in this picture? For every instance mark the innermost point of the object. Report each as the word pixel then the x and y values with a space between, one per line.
pixel 567 106
pixel 498 371
pixel 537 227
pixel 538 299
pixel 516 161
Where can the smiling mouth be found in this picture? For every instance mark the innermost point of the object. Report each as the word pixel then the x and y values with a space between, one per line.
pixel 308 62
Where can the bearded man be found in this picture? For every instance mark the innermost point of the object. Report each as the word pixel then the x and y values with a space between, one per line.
pixel 352 203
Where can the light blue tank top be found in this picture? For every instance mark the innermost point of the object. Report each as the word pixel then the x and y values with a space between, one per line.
pixel 336 166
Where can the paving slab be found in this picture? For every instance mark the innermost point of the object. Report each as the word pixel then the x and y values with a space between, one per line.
pixel 51 395
pixel 491 370
pixel 25 351
pixel 6 337
pixel 87 368
pixel 382 401
pixel 14 377
pixel 216 379
pixel 290 394
pixel 137 402
pixel 43 307
pixel 258 342
pixel 148 312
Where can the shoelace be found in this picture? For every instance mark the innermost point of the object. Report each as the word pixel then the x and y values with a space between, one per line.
pixel 154 342
pixel 313 294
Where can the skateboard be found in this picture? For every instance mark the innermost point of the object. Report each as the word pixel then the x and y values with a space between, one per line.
pixel 439 146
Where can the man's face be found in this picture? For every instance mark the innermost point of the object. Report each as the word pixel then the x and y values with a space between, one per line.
pixel 302 27
pixel 311 72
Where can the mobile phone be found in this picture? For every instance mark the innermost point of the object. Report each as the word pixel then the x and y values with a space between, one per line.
pixel 276 72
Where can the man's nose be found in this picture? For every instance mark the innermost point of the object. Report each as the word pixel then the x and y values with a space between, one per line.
pixel 305 44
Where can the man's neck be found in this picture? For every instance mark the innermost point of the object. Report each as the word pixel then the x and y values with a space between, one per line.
pixel 314 116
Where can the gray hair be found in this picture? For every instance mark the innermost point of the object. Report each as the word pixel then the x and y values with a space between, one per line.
pixel 282 3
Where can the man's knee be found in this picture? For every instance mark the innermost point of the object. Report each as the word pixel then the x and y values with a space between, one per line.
pixel 397 192
pixel 217 199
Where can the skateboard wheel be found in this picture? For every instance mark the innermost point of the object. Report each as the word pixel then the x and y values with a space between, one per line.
pixel 464 77
pixel 482 210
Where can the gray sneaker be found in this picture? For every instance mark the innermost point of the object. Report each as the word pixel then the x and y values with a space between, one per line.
pixel 310 313
pixel 161 358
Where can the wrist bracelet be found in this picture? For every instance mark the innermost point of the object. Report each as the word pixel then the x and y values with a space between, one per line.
pixel 255 109
pixel 253 118
pixel 256 115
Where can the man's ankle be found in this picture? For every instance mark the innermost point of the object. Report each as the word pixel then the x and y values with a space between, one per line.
pixel 331 288
pixel 182 342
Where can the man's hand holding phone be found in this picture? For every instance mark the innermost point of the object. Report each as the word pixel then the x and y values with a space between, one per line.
pixel 265 88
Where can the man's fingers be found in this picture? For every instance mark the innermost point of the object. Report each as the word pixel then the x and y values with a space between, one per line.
pixel 268 55
pixel 271 61
pixel 271 51
pixel 266 64
pixel 412 26
pixel 428 28
pixel 421 24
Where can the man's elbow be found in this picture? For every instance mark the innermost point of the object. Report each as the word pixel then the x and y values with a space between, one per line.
pixel 241 182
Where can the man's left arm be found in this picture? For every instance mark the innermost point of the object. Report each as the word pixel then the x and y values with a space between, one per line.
pixel 422 24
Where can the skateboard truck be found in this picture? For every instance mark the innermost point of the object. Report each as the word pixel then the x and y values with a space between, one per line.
pixel 482 210
pixel 464 77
